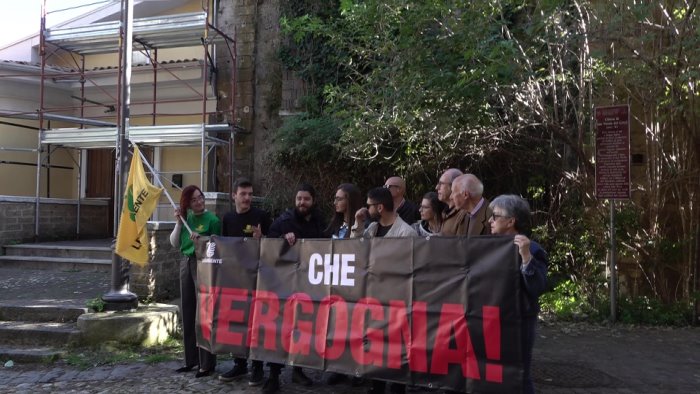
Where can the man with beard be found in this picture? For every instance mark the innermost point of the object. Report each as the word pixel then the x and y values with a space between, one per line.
pixel 453 217
pixel 302 221
pixel 467 192
pixel 387 223
pixel 245 221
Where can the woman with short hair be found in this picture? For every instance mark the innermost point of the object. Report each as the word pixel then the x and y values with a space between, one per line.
pixel 511 216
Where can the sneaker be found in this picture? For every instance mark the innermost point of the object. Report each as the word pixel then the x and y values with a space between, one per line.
pixel 272 385
pixel 236 372
pixel 257 377
pixel 299 377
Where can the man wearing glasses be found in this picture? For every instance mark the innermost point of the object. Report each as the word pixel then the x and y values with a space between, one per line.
pixel 407 210
pixel 453 217
pixel 467 191
pixel 386 222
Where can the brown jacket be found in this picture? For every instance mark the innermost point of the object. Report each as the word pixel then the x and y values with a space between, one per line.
pixel 453 222
pixel 458 222
pixel 479 223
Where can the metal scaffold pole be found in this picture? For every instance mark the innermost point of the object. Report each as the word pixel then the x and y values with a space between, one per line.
pixel 119 297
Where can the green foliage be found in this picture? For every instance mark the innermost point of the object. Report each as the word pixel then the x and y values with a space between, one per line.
pixel 110 353
pixel 95 304
pixel 505 90
pixel 302 140
pixel 652 311
pixel 567 301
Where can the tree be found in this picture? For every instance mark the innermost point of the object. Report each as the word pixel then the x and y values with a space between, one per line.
pixel 506 89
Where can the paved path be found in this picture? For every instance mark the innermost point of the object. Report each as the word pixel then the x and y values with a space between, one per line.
pixel 569 358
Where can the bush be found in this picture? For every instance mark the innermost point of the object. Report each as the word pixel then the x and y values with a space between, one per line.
pixel 567 302
pixel 651 311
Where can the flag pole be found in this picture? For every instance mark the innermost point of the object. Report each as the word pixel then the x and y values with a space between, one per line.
pixel 119 297
pixel 156 177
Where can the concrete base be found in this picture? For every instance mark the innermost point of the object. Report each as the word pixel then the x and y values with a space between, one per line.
pixel 146 326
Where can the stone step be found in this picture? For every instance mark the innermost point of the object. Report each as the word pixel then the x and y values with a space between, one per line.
pixel 56 263
pixel 30 354
pixel 38 333
pixel 42 310
pixel 57 250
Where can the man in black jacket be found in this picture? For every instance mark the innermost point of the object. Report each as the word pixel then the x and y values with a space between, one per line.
pixel 407 210
pixel 302 221
pixel 245 221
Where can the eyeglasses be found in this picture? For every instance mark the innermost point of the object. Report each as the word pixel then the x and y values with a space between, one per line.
pixel 338 199
pixel 198 198
pixel 390 186
pixel 424 207
pixel 494 216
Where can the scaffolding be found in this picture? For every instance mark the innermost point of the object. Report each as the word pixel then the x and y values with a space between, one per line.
pixel 149 35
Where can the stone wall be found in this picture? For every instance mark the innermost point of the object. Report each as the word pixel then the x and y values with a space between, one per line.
pixel 258 79
pixel 57 219
pixel 159 280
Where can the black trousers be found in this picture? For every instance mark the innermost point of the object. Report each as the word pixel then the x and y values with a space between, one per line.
pixel 244 361
pixel 194 355
pixel 527 332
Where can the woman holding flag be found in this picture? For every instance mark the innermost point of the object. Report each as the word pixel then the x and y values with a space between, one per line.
pixel 200 222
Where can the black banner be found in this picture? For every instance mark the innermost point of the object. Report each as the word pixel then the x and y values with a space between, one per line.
pixel 440 312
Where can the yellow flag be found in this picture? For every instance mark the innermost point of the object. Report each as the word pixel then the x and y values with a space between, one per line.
pixel 140 200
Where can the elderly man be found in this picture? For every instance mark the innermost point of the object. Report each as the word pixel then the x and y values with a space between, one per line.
pixel 453 217
pixel 467 191
pixel 404 208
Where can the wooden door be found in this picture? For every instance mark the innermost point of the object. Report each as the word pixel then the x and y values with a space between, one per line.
pixel 99 181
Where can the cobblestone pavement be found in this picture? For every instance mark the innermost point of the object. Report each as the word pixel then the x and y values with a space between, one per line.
pixel 578 358
pixel 21 284
pixel 568 358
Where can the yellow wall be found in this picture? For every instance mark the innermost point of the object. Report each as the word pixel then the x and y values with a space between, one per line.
pixel 20 180
pixel 183 160
pixel 112 59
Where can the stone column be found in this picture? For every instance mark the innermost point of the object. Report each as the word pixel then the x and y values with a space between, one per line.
pixel 254 24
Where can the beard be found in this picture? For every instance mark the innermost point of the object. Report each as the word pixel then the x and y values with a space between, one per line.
pixel 302 210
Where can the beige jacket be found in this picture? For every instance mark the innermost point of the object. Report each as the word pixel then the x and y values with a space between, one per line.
pixel 398 229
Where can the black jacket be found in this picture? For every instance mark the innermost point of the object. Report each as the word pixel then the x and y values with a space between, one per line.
pixel 290 222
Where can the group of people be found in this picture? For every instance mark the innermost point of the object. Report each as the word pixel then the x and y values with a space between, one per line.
pixel 456 208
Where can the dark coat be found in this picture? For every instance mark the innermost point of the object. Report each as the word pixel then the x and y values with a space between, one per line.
pixel 290 222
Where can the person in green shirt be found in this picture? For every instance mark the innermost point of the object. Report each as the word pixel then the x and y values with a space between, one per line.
pixel 202 222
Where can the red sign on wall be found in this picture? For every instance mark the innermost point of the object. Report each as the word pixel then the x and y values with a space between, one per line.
pixel 612 152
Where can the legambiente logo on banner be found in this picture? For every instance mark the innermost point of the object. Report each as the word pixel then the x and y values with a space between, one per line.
pixel 211 251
